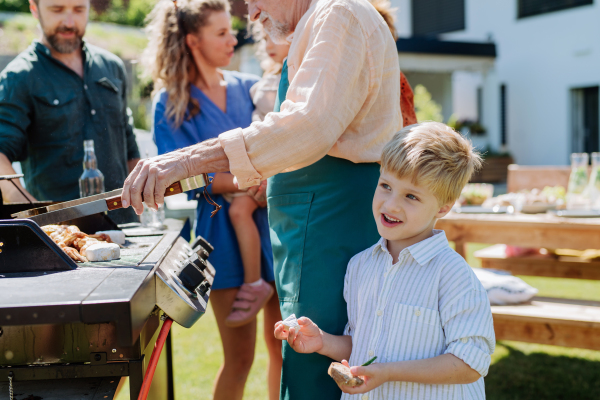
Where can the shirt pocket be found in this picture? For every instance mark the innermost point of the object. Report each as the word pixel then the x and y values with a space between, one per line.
pixel 288 218
pixel 414 333
pixel 56 114
pixel 110 95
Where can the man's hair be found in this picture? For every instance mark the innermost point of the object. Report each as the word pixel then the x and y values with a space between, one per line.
pixel 432 154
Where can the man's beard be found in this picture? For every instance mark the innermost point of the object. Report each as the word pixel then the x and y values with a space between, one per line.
pixel 277 31
pixel 64 46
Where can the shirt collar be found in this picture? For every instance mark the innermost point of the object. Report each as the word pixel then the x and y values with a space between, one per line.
pixel 422 251
pixel 41 48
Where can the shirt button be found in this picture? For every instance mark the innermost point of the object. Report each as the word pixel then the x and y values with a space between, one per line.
pixel 365 397
pixel 85 87
pixel 418 313
pixel 93 112
pixel 464 340
pixel 371 352
pixel 55 102
pixel 379 313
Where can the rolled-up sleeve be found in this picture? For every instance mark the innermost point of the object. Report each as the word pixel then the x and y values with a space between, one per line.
pixel 15 112
pixel 324 97
pixel 469 330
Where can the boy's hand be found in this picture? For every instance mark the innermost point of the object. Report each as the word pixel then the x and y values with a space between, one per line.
pixel 374 375
pixel 307 338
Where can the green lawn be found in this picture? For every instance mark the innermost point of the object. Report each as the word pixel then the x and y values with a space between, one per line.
pixel 519 371
pixel 17 30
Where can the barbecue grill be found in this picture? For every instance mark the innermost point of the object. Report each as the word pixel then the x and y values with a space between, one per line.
pixel 71 331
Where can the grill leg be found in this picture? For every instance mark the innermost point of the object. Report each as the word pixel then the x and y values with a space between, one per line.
pixel 136 378
pixel 170 379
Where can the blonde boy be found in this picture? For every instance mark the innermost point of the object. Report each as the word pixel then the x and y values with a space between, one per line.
pixel 412 301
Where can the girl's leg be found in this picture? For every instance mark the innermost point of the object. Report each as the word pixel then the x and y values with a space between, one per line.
pixel 238 348
pixel 272 316
pixel 240 213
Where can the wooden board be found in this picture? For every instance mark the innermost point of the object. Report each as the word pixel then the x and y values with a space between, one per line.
pixel 494 257
pixel 559 322
pixel 539 230
pixel 529 177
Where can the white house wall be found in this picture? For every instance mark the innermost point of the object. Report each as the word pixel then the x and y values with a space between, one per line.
pixel 540 59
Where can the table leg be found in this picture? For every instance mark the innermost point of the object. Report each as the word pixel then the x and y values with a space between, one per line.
pixel 461 248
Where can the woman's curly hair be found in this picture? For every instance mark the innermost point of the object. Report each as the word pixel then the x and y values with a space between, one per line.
pixel 167 58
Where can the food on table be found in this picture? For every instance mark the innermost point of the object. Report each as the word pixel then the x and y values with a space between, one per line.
pixel 475 194
pixel 76 244
pixel 342 375
pixel 117 237
pixel 549 197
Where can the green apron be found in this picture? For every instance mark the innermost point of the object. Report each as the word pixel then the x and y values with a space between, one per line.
pixel 319 217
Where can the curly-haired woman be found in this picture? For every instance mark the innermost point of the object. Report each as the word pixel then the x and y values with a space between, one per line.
pixel 189 41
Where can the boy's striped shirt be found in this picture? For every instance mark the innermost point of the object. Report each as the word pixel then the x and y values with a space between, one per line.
pixel 427 304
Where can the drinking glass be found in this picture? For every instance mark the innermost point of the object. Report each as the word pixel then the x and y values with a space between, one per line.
pixel 578 195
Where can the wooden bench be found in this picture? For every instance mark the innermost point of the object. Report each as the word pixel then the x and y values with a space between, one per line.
pixel 559 322
pixel 494 257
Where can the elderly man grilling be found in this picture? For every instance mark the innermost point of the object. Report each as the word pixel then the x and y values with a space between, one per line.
pixel 337 107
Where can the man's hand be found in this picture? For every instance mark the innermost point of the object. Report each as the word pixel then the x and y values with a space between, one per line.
pixel 151 177
pixel 307 338
pixel 374 375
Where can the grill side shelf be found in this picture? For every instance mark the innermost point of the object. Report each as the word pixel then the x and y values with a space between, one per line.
pixel 24 247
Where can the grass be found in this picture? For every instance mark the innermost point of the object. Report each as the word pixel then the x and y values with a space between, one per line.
pixel 18 30
pixel 519 371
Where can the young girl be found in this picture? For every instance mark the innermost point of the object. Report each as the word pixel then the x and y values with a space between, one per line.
pixel 255 292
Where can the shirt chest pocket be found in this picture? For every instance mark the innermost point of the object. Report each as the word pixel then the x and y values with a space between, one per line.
pixel 414 333
pixel 57 116
pixel 110 92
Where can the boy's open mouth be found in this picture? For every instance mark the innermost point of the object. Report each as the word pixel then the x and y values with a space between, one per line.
pixel 389 221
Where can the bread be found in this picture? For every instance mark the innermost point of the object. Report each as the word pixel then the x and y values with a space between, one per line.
pixel 342 375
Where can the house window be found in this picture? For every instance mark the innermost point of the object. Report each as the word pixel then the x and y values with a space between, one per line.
pixel 528 8
pixel 432 17
pixel 585 120
pixel 503 114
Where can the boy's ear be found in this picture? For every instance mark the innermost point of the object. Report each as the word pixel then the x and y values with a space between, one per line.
pixel 445 209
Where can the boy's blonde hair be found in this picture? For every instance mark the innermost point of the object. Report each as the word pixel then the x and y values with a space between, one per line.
pixel 433 155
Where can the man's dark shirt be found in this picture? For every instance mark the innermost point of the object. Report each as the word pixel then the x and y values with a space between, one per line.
pixel 47 111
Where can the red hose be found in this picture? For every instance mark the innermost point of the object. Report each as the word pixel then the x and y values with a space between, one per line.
pixel 160 342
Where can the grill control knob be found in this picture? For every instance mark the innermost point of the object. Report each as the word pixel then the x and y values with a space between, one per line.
pixel 202 253
pixel 199 262
pixel 200 241
pixel 204 287
pixel 191 276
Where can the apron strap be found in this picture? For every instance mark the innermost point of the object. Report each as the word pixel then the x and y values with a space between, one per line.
pixel 284 84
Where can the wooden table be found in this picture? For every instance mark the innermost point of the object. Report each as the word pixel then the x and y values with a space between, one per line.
pixel 524 230
pixel 562 322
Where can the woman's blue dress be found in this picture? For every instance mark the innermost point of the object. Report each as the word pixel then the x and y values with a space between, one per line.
pixel 208 124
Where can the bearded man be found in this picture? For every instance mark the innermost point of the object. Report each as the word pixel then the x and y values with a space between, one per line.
pixel 53 96
pixel 337 107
